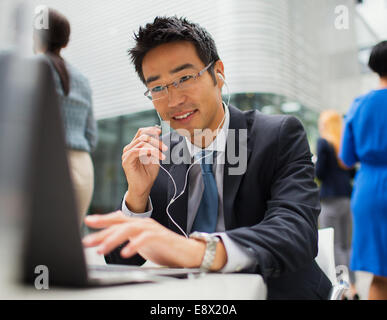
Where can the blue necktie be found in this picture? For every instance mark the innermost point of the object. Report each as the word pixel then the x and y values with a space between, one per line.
pixel 207 214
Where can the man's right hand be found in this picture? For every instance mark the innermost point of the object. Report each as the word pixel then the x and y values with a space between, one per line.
pixel 140 161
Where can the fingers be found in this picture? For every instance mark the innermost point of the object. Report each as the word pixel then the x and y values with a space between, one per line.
pixel 135 244
pixel 150 135
pixel 152 131
pixel 143 145
pixel 98 221
pixel 96 238
pixel 142 233
pixel 146 145
pixel 151 140
pixel 146 138
pixel 146 152
pixel 110 238
pixel 120 234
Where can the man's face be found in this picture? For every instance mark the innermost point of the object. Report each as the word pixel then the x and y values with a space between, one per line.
pixel 196 107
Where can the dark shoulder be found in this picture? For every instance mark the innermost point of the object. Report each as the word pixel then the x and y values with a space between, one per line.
pixel 322 143
pixel 279 123
pixel 323 146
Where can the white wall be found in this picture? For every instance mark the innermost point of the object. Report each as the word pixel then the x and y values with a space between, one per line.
pixel 375 14
pixel 287 47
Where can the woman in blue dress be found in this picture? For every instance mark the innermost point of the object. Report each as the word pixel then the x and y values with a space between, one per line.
pixel 365 141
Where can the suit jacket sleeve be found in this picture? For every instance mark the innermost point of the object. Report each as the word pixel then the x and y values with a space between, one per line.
pixel 286 239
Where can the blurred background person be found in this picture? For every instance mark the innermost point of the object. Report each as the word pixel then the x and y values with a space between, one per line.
pixel 76 105
pixel 335 189
pixel 365 141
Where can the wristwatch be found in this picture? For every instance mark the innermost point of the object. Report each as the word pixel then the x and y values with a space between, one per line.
pixel 209 254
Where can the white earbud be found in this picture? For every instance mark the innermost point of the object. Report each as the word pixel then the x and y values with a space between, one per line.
pixel 220 76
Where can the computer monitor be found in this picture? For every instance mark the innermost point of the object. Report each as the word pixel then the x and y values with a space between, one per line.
pixel 36 173
pixel 34 169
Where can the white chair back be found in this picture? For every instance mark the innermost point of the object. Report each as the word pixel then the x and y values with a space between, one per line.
pixel 326 255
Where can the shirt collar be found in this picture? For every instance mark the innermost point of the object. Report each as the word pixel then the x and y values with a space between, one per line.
pixel 219 143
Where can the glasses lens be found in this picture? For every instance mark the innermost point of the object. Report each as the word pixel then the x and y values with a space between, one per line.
pixel 185 82
pixel 158 95
pixel 161 92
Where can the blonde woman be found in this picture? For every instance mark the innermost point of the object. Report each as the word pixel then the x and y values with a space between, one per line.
pixel 335 192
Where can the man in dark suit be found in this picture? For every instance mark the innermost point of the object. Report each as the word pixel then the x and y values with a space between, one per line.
pixel 244 178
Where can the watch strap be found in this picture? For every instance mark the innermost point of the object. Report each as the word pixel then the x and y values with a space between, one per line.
pixel 210 252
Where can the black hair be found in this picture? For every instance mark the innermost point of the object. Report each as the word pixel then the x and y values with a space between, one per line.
pixel 54 38
pixel 171 29
pixel 378 59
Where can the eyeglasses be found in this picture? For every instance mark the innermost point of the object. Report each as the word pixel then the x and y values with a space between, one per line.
pixel 184 82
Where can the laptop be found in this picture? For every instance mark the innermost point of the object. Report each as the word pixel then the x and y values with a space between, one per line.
pixel 51 234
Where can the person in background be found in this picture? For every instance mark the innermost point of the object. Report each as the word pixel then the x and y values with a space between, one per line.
pixel 75 98
pixel 336 189
pixel 365 141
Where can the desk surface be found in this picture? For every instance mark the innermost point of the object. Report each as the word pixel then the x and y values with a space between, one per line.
pixel 213 286
pixel 208 287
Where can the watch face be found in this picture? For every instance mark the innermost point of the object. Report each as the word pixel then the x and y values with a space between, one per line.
pixel 203 235
pixel 200 235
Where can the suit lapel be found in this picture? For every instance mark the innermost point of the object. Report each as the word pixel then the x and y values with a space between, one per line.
pixel 231 180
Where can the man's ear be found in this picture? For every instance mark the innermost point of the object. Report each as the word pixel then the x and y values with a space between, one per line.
pixel 219 73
